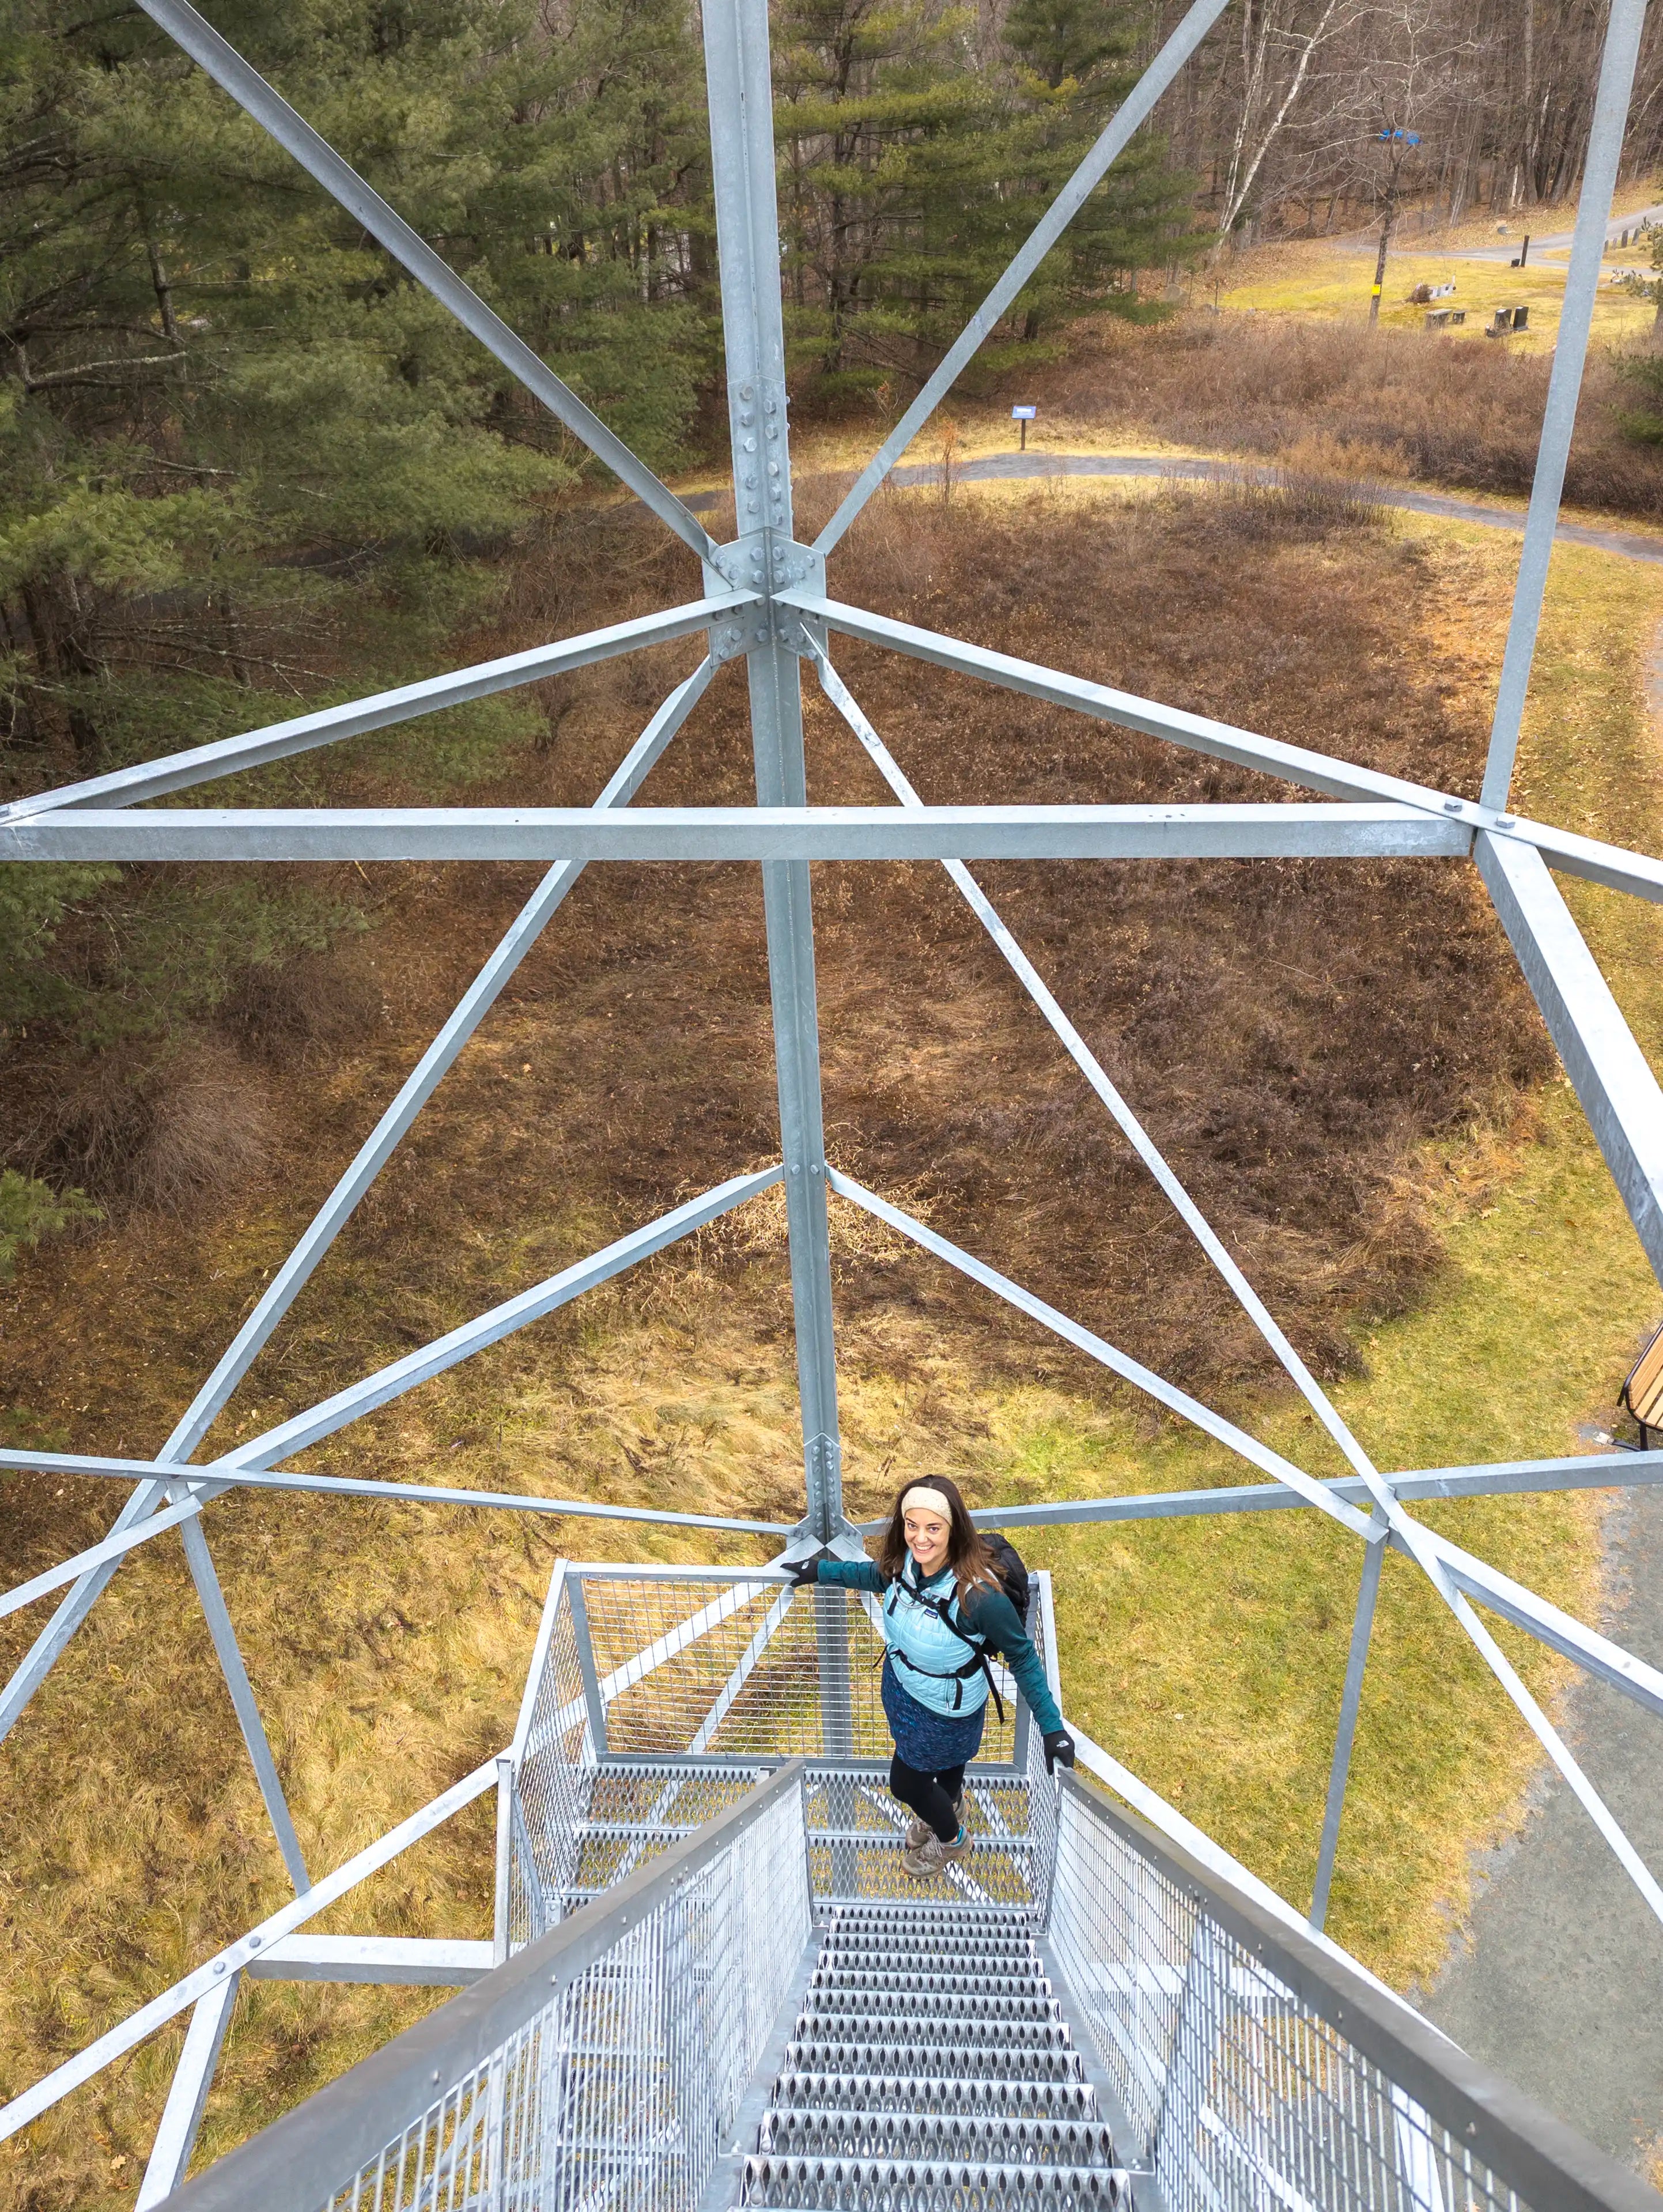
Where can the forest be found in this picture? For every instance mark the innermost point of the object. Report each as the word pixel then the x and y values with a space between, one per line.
pixel 247 468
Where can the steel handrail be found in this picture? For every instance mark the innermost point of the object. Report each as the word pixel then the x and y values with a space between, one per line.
pixel 301 2160
pixel 1549 2165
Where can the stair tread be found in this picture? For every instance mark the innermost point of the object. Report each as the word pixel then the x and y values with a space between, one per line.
pixel 945 2005
pixel 812 2090
pixel 931 2063
pixel 1061 2061
pixel 959 2136
pixel 900 1980
pixel 968 2186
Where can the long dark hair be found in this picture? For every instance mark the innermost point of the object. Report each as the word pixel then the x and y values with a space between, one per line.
pixel 968 1555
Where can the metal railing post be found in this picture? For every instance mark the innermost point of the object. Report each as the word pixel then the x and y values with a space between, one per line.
pixel 594 1703
pixel 502 1901
pixel 1339 1771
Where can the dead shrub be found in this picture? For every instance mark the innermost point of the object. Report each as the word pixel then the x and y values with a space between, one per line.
pixel 1252 504
pixel 282 1011
pixel 1401 402
pixel 189 1128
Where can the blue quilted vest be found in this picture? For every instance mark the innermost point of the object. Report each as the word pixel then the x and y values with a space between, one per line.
pixel 928 1656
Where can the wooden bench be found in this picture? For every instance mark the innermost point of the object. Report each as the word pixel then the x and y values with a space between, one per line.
pixel 1642 1392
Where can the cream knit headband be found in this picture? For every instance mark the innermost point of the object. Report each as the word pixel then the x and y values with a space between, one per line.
pixel 921 1494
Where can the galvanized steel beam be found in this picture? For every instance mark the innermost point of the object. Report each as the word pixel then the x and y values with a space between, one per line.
pixel 1570 345
pixel 1608 1072
pixel 1091 1068
pixel 1350 1699
pixel 1505 1478
pixel 244 1703
pixel 1128 119
pixel 391 1381
pixel 217 1477
pixel 372 1155
pixel 739 84
pixel 781 832
pixel 404 1961
pixel 106 1552
pixel 150 780
pixel 1095 1347
pixel 1102 702
pixel 187 2096
pixel 203 1980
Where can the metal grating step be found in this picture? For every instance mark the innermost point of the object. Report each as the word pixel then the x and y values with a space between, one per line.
pixel 885 1981
pixel 1008 1927
pixel 927 2186
pixel 927 2095
pixel 1056 2060
pixel 956 2137
pixel 880 1953
pixel 931 2070
pixel 955 2014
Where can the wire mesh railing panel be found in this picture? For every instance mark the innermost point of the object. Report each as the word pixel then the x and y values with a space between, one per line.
pixel 551 1780
pixel 1245 2096
pixel 717 1673
pixel 615 2097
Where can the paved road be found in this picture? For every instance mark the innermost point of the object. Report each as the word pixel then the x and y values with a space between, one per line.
pixel 1504 250
pixel 989 467
pixel 1560 1983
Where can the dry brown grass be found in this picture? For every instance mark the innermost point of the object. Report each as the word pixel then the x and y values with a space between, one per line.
pixel 1399 401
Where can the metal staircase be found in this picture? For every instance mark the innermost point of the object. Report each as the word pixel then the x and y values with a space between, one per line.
pixel 719 1987
pixel 931 2065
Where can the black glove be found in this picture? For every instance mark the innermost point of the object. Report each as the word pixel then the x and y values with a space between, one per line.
pixel 1058 1749
pixel 804 1572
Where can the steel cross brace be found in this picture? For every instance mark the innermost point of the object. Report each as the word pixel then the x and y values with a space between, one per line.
pixel 337 1208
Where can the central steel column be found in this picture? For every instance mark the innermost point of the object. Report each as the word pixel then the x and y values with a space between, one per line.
pixel 741 97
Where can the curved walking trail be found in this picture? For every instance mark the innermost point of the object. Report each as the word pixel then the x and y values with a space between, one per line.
pixel 1000 467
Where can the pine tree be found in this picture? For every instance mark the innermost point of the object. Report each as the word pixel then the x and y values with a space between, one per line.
pixel 246 464
pixel 915 162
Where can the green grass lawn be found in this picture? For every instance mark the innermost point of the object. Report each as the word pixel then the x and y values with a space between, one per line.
pixel 1320 278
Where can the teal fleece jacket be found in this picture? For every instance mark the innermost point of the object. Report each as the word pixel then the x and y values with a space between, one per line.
pixel 986 1614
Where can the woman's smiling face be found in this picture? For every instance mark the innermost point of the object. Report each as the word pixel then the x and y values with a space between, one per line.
pixel 926 1537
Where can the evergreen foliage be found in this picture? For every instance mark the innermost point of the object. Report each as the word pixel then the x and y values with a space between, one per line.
pixel 917 152
pixel 29 1210
pixel 245 466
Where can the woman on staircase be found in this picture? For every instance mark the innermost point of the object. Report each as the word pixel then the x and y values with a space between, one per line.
pixel 944 1611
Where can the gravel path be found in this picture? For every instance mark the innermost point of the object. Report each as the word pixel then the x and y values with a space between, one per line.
pixel 1557 1982
pixel 994 467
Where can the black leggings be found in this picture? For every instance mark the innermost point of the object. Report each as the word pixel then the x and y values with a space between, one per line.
pixel 929 1796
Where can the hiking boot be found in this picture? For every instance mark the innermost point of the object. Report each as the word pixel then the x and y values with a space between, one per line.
pixel 919 1832
pixel 932 1856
